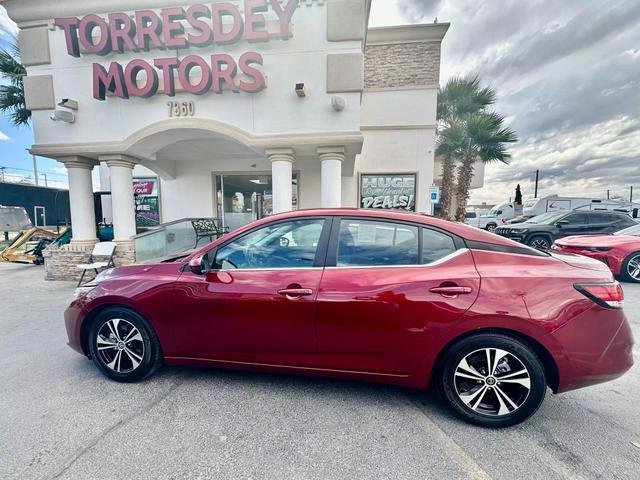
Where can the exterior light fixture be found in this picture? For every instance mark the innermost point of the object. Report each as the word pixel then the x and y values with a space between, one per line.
pixel 338 103
pixel 63 116
pixel 300 90
pixel 68 103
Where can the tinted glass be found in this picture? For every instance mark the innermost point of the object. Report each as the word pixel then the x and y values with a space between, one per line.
pixel 436 245
pixel 373 243
pixel 281 245
pixel 575 219
pixel 603 218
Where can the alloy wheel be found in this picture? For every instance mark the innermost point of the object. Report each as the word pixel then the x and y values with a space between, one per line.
pixel 120 345
pixel 633 267
pixel 540 243
pixel 492 382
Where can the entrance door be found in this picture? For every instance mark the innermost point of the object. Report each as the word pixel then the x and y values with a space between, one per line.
pixel 242 199
pixel 257 304
pixel 39 216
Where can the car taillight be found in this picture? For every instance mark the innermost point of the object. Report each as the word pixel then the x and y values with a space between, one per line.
pixel 608 295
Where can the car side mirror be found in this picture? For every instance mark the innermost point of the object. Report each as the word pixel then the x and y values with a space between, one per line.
pixel 198 265
pixel 561 223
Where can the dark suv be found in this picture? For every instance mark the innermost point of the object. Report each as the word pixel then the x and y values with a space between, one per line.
pixel 541 231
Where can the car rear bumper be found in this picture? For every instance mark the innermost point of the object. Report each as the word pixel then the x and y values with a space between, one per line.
pixel 597 346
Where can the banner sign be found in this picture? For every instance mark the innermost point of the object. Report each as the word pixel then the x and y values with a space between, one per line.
pixel 145 194
pixel 387 191
pixel 176 28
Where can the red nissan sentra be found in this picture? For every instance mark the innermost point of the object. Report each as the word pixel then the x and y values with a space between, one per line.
pixel 372 295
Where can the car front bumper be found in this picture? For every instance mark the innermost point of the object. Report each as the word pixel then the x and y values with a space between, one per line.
pixel 74 315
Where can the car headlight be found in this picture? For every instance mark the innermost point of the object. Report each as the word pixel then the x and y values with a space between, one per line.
pixel 83 290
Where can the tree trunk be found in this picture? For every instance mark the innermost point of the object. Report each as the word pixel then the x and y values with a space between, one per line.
pixel 446 190
pixel 465 174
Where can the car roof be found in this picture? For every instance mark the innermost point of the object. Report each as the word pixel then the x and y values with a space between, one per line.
pixel 460 229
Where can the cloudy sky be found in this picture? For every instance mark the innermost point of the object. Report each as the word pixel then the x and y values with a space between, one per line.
pixel 567 75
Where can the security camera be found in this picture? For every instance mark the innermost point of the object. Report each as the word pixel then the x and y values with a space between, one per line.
pixel 300 90
pixel 68 103
pixel 63 116
pixel 338 103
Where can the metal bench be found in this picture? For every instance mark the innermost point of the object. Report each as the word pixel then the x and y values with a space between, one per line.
pixel 207 228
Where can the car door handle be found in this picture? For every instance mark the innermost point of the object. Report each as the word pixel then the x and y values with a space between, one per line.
pixel 295 292
pixel 450 291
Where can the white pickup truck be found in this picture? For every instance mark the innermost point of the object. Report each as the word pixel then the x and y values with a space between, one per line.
pixel 498 215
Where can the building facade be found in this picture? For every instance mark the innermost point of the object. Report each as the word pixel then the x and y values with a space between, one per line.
pixel 240 108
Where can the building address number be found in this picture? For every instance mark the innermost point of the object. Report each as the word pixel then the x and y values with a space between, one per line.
pixel 181 109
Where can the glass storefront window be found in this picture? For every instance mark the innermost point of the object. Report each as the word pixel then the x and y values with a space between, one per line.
pixel 242 199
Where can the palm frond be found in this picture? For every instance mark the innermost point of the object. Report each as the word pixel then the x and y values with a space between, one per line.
pixel 12 101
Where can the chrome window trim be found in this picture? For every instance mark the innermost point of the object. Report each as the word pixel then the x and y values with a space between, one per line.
pixel 278 269
pixel 413 265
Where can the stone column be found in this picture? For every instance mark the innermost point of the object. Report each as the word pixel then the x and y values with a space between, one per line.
pixel 331 159
pixel 83 217
pixel 282 178
pixel 122 203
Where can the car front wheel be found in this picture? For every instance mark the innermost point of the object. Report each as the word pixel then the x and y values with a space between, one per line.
pixel 631 268
pixel 492 380
pixel 540 242
pixel 123 345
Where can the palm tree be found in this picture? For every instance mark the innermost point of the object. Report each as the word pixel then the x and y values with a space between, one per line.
pixel 482 137
pixel 459 97
pixel 12 93
pixel 467 132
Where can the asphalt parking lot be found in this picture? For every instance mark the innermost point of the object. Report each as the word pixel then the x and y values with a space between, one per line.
pixel 61 419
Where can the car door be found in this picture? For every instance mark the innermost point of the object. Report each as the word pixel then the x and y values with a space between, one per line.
pixel 602 222
pixel 387 289
pixel 256 304
pixel 573 224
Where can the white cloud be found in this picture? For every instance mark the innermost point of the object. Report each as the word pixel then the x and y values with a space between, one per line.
pixel 7 26
pixel 4 137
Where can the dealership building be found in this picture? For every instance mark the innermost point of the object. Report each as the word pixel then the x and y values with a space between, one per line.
pixel 231 110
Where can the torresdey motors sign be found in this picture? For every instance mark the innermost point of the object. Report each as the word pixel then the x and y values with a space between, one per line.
pixel 388 191
pixel 176 28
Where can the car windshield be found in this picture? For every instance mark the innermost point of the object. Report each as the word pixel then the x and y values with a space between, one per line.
pixel 633 231
pixel 546 218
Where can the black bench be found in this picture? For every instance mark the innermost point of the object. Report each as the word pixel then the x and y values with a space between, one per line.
pixel 207 228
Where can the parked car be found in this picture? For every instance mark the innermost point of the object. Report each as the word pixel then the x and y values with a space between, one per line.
pixel 541 231
pixel 620 251
pixel 374 295
pixel 498 215
pixel 472 218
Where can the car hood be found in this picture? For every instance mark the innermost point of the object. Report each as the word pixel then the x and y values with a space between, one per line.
pixel 580 261
pixel 598 240
pixel 138 269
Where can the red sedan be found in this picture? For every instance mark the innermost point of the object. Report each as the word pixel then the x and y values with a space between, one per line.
pixel 620 251
pixel 383 296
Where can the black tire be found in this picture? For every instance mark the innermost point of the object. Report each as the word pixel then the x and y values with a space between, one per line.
pixel 541 242
pixel 625 271
pixel 146 351
pixel 491 227
pixel 461 393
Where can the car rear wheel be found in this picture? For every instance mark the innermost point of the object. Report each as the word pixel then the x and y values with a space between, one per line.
pixel 540 242
pixel 631 268
pixel 492 380
pixel 123 345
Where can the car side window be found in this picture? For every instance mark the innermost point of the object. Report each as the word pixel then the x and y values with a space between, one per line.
pixel 575 219
pixel 290 244
pixel 375 243
pixel 436 245
pixel 603 218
